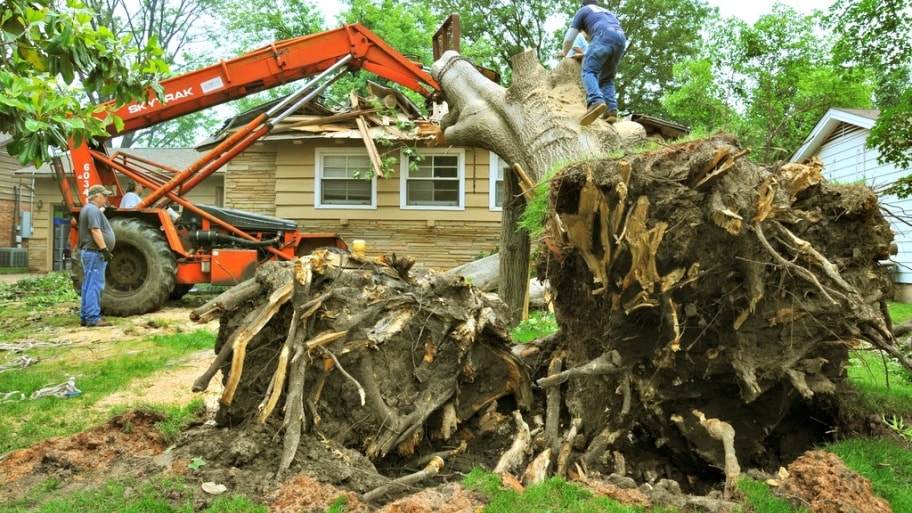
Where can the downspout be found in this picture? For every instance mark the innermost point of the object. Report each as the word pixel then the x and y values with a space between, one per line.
pixel 17 217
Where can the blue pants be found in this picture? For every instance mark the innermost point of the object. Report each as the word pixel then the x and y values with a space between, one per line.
pixel 600 64
pixel 93 283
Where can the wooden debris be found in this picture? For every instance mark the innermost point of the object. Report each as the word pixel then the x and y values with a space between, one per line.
pixel 537 471
pixel 242 336
pixel 226 301
pixel 607 363
pixel 372 153
pixel 553 404
pixel 563 456
pixel 515 455
pixel 429 470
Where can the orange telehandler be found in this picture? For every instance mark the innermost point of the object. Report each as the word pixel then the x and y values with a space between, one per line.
pixel 158 256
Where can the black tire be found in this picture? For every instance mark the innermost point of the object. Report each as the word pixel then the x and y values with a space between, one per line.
pixel 180 290
pixel 141 276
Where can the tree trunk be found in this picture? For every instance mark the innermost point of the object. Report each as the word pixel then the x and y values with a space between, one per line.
pixel 514 249
pixel 534 123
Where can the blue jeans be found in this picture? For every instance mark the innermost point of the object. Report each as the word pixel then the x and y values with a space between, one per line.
pixel 93 283
pixel 600 65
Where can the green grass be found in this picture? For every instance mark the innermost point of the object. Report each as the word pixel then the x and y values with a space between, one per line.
pixel 762 500
pixel 884 384
pixel 40 292
pixel 165 495
pixel 900 312
pixel 98 373
pixel 552 495
pixel 887 464
pixel 98 369
pixel 538 324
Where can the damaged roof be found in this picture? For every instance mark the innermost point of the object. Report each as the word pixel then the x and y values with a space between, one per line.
pixel 387 114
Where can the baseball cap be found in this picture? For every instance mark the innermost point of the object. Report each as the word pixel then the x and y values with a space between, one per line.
pixel 98 189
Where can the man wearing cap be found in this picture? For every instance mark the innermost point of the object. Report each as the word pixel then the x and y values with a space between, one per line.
pixel 96 240
pixel 607 44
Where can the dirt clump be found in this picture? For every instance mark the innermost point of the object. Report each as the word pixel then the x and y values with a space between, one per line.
pixel 821 481
pixel 123 446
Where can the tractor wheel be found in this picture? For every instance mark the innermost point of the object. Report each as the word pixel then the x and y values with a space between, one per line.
pixel 180 290
pixel 140 277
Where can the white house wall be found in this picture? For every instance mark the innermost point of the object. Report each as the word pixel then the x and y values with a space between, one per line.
pixel 847 161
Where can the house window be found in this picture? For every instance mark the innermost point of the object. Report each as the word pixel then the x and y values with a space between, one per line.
pixel 435 179
pixel 344 179
pixel 496 172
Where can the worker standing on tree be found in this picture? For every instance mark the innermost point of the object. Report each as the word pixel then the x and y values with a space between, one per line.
pixel 96 240
pixel 607 43
pixel 132 197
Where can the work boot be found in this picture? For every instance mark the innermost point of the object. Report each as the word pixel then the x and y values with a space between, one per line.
pixel 593 113
pixel 611 116
pixel 101 323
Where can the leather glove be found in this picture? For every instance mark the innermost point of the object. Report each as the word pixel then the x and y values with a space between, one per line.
pixel 107 254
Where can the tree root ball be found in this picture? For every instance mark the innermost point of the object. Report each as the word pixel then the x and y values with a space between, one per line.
pixel 366 355
pixel 718 287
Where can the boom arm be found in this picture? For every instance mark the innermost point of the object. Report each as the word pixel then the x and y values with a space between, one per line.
pixel 275 65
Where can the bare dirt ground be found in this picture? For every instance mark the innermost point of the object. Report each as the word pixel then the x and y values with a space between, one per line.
pixel 244 461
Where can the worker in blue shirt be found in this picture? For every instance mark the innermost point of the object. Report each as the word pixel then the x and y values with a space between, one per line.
pixel 607 44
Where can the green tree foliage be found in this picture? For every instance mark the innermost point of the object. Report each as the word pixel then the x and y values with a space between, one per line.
pixel 50 58
pixel 769 83
pixel 492 32
pixel 245 26
pixel 660 34
pixel 697 99
pixel 182 27
pixel 877 35
pixel 407 26
pixel 252 25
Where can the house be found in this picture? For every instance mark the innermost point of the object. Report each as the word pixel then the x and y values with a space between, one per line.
pixel 47 240
pixel 839 141
pixel 376 171
pixel 370 171
pixel 15 208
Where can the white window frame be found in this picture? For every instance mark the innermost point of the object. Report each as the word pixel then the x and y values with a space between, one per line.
pixel 496 167
pixel 319 154
pixel 459 153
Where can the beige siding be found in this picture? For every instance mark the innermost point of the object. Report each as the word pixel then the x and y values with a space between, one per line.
pixel 436 238
pixel 442 246
pixel 251 183
pixel 7 195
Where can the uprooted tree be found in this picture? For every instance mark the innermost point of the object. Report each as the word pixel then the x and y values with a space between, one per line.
pixel 707 308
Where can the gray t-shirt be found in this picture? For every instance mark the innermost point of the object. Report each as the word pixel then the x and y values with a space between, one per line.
pixel 91 217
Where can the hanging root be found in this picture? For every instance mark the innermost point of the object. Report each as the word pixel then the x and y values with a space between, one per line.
pixel 608 363
pixel 553 401
pixel 429 470
pixel 724 432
